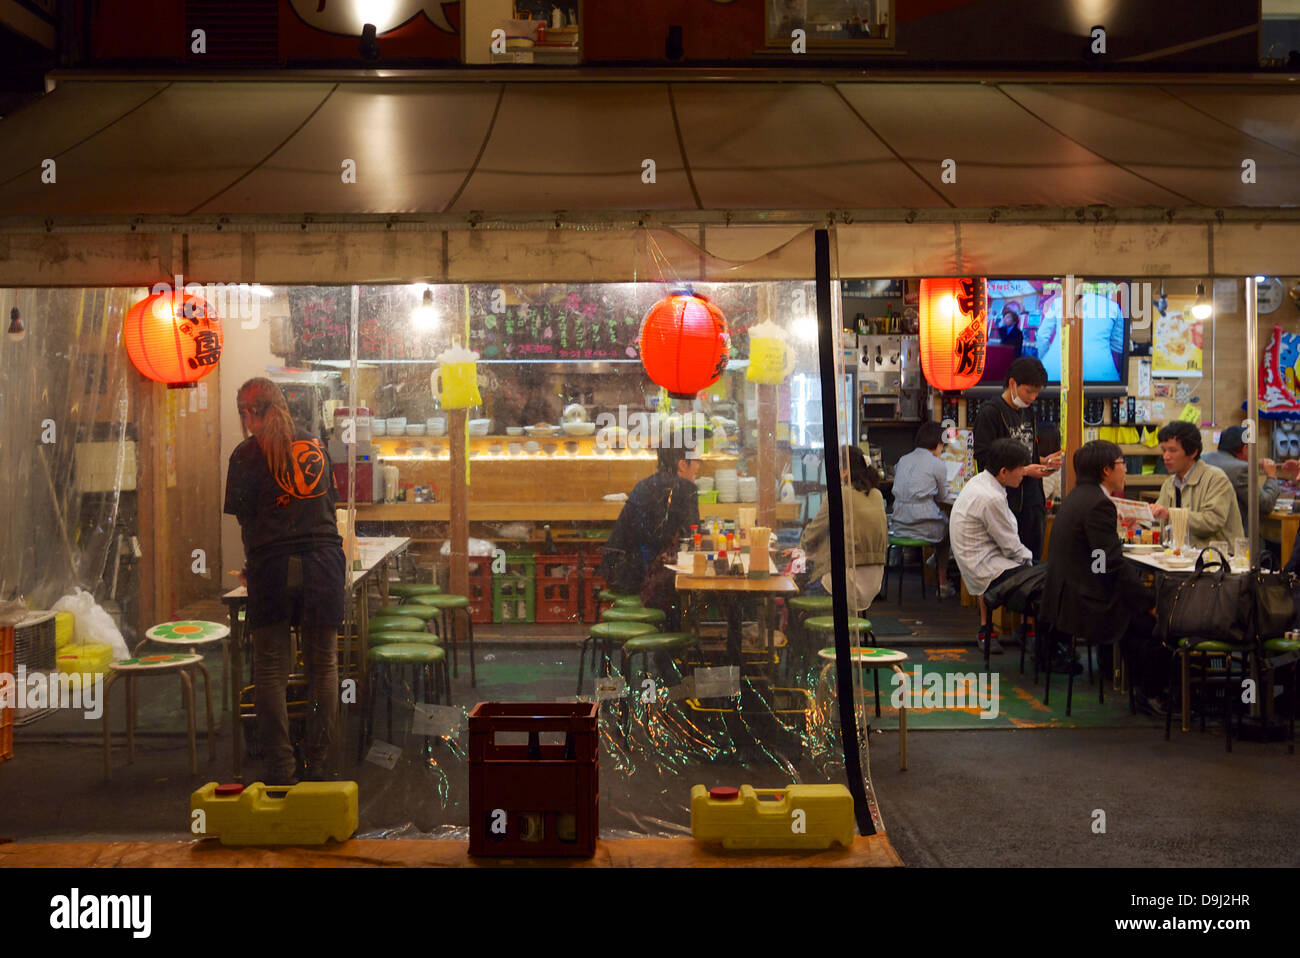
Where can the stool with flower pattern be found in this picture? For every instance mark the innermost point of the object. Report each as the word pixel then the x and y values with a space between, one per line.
pixel 190 634
pixel 129 670
pixel 868 657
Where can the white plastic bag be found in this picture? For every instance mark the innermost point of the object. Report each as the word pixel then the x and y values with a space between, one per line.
pixel 93 624
pixel 477 547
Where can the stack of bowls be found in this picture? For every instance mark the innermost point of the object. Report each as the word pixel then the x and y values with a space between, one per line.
pixel 416 429
pixel 396 425
pixel 704 483
pixel 747 486
pixel 379 427
pixel 437 425
pixel 727 484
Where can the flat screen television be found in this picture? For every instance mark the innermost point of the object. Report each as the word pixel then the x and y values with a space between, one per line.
pixel 1024 319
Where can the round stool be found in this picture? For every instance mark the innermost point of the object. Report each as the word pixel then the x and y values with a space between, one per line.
pixel 408 590
pixel 427 661
pixel 646 646
pixel 410 608
pixel 131 669
pixel 1280 647
pixel 653 617
pixel 801 608
pixel 874 659
pixel 902 544
pixel 609 595
pixel 448 606
pixel 604 635
pixel 188 635
pixel 390 636
pixel 400 623
pixel 822 627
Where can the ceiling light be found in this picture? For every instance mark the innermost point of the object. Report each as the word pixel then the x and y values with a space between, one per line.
pixel 1261 279
pixel 16 328
pixel 423 317
pixel 1202 308
pixel 806 329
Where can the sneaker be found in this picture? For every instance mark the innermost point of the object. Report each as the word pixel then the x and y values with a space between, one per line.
pixel 990 636
pixel 948 591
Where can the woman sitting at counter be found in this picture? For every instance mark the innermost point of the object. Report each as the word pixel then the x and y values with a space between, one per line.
pixel 864 509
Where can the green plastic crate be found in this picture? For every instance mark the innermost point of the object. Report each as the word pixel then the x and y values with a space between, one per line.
pixel 514 592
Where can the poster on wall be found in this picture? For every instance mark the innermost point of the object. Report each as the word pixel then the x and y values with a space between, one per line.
pixel 1177 341
pixel 958 457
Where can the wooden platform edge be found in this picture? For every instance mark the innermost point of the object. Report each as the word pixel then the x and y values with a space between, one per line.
pixel 872 851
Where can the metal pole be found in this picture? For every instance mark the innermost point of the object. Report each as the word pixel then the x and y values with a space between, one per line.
pixel 826 343
pixel 1252 414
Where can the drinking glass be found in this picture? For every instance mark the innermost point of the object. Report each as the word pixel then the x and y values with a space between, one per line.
pixel 1241 547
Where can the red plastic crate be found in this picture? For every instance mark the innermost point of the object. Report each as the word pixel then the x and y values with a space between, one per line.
pixel 548 791
pixel 480 589
pixel 559 595
pixel 6 715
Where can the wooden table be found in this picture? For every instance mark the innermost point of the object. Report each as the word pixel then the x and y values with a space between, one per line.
pixel 374 554
pixel 731 592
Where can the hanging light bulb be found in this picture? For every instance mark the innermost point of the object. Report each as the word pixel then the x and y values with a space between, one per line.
pixel 16 328
pixel 423 317
pixel 1202 308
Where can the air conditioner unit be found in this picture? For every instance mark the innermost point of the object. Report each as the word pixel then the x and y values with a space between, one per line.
pixel 35 646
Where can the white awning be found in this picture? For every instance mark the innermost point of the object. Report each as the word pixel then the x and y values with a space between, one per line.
pixel 244 178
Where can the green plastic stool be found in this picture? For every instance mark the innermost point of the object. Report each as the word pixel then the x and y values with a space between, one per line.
pixel 424 659
pixel 801 607
pixel 448 606
pixel 1207 648
pixel 409 609
pixel 902 544
pixel 604 635
pixel 646 646
pixel 396 623
pixel 1282 647
pixel 875 659
pixel 609 595
pixel 391 636
pixel 653 617
pixel 407 590
pixel 859 630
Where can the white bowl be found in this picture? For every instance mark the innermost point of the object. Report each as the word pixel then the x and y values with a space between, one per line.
pixel 532 448
pixel 395 424
pixel 379 428
pixel 574 412
pixel 540 430
pixel 514 430
pixel 479 427
pixel 437 427
pixel 495 449
pixel 516 448
pixel 579 428
pixel 416 429
pixel 704 483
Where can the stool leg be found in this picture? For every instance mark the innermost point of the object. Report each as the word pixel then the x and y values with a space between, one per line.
pixel 225 674
pixel 388 683
pixel 207 695
pixel 902 729
pixel 187 693
pixel 922 553
pixel 449 639
pixel 130 719
pixel 1205 687
pixel 1227 700
pixel 582 663
pixel 108 734
pixel 469 628
pixel 1069 685
pixel 1169 705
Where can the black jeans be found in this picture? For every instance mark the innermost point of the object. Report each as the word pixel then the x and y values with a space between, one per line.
pixel 1031 524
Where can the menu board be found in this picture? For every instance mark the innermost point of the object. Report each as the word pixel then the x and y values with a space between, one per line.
pixel 552 321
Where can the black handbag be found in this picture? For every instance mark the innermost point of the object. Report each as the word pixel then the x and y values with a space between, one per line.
pixel 1211 603
pixel 1275 610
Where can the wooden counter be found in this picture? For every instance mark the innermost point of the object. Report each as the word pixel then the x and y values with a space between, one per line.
pixel 597 511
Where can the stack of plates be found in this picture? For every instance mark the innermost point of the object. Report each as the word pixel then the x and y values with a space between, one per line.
pixel 727 484
pixel 704 483
pixel 748 488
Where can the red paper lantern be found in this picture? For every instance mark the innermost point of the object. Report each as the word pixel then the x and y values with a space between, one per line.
pixel 953 332
pixel 684 344
pixel 173 338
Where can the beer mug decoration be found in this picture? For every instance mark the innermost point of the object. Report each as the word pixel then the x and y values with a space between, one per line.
pixel 771 360
pixel 455 381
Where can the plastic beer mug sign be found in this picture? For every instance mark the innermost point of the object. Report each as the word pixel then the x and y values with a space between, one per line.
pixel 771 360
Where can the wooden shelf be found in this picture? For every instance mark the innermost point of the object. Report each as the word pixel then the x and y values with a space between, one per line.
pixel 1137 449
pixel 1146 482
pixel 600 511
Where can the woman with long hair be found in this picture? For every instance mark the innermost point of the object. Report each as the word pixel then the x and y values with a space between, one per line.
pixel 280 486
pixel 865 551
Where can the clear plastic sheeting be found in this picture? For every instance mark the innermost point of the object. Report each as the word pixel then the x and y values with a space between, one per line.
pixel 69 426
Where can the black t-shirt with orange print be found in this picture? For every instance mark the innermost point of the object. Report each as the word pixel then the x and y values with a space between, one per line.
pixel 283 515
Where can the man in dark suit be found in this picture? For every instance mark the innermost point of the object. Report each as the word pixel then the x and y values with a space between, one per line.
pixel 1091 591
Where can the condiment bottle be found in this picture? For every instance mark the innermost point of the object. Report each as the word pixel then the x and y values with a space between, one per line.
pixel 711 570
pixel 720 565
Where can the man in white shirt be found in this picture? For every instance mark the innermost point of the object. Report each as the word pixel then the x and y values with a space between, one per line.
pixel 985 540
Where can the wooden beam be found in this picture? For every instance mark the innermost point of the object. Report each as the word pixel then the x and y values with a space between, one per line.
pixel 457 420
pixel 1072 393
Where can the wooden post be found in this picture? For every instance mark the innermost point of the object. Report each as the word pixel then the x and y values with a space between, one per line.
pixel 457 420
pixel 767 461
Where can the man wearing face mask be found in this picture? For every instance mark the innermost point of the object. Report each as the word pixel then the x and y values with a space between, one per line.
pixel 1010 416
